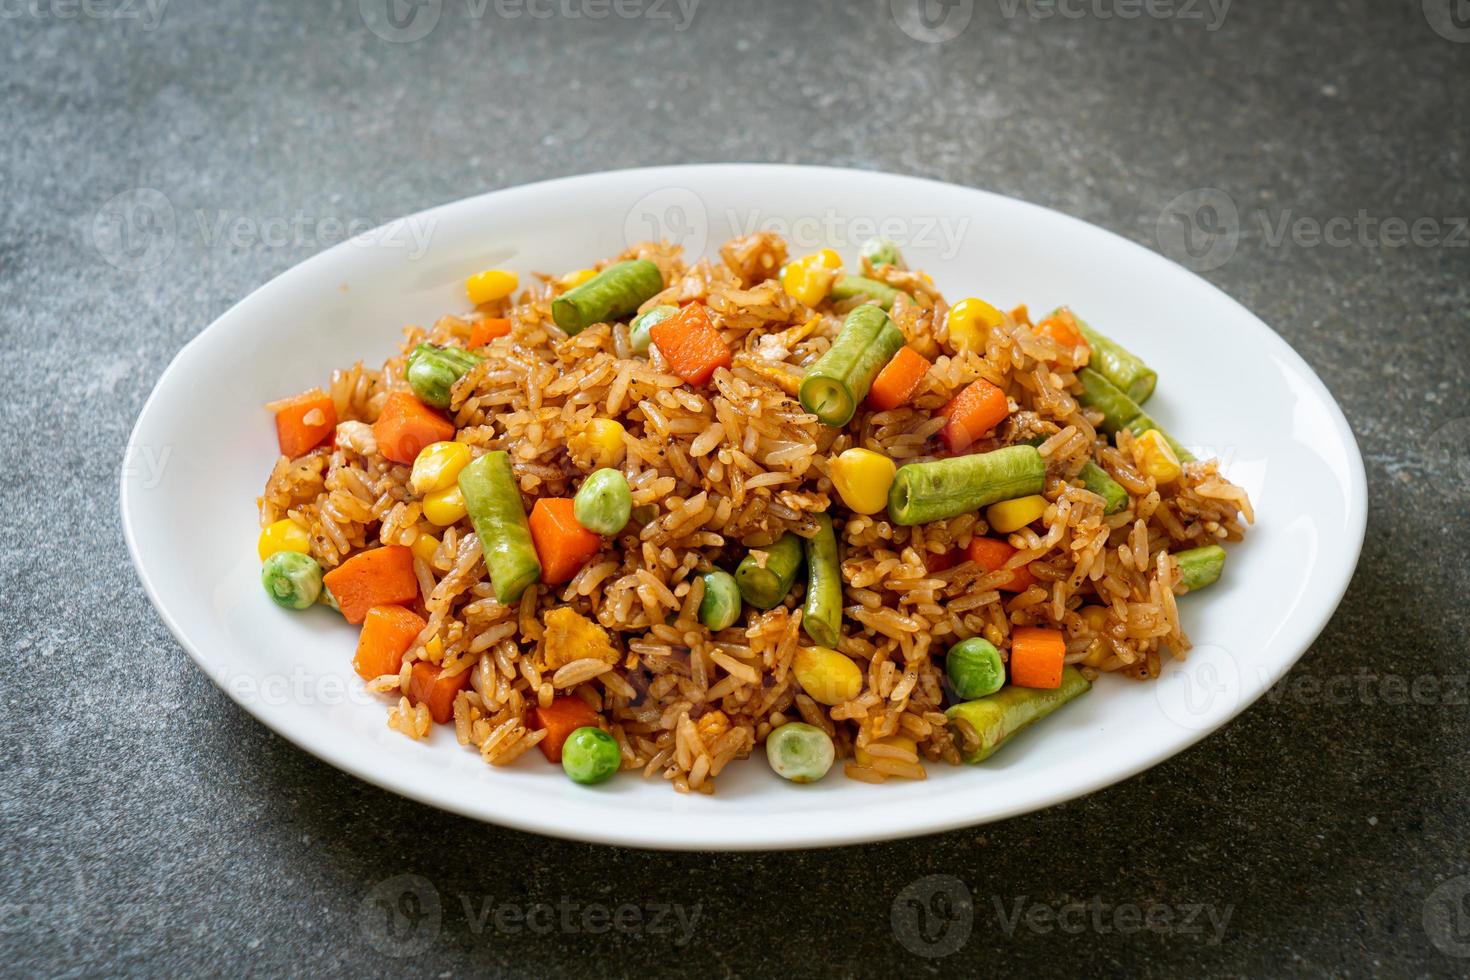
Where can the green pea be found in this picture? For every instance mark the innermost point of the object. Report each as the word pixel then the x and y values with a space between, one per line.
pixel 638 334
pixel 720 606
pixel 292 579
pixel 604 503
pixel 590 756
pixel 800 752
pixel 882 251
pixel 974 668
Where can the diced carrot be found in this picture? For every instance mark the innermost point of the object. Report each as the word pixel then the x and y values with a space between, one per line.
pixel 896 382
pixel 562 544
pixel 406 425
pixel 387 633
pixel 380 577
pixel 488 329
pixel 1061 327
pixel 429 684
pixel 1037 656
pixel 563 716
pixel 992 554
pixel 1021 315
pixel 690 343
pixel 980 407
pixel 304 421
pixel 942 561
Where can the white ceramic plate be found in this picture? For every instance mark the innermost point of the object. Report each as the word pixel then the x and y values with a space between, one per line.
pixel 203 446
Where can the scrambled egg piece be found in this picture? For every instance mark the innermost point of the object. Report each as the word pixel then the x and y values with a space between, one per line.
pixel 572 636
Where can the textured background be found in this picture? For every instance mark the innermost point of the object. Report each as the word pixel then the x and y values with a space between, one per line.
pixel 154 825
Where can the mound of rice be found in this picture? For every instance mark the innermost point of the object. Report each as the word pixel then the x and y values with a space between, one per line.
pixel 729 467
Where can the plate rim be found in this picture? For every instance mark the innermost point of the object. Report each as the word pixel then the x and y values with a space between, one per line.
pixel 1356 514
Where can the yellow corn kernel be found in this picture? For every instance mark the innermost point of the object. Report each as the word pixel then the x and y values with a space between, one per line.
pixel 827 676
pixel 437 466
pixel 1012 515
pixel 1096 617
pixel 444 507
pixel 424 546
pixel 862 478
pixel 602 443
pixel 809 278
pixel 574 279
pixel 865 758
pixel 283 535
pixel 434 648
pixel 1152 454
pixel 490 285
pixel 970 320
pixel 1099 651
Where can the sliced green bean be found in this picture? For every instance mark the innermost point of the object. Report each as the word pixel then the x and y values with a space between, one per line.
pixel 1119 365
pixel 720 606
pixel 766 585
pixel 1096 479
pixel 883 251
pixel 291 579
pixel 612 294
pixel 853 287
pixel 835 385
pixel 1199 567
pixel 821 614
pixel 945 488
pixel 1121 412
pixel 639 337
pixel 432 372
pixel 499 515
pixel 800 752
pixel 993 721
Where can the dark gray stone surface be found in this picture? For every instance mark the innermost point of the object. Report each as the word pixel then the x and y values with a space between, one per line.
pixel 149 825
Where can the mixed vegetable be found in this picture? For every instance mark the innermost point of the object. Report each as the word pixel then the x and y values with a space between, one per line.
pixel 999 685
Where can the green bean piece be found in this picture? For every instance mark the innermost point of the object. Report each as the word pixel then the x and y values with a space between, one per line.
pixel 800 752
pixel 1096 479
pixel 1115 362
pixel 853 287
pixel 432 372
pixel 291 579
pixel 638 332
pixel 834 386
pixel 821 614
pixel 974 668
pixel 604 503
pixel 612 294
pixel 996 719
pixel 945 488
pixel 1121 412
pixel 766 585
pixel 1199 567
pixel 720 606
pixel 499 516
pixel 590 756
pixel 883 251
